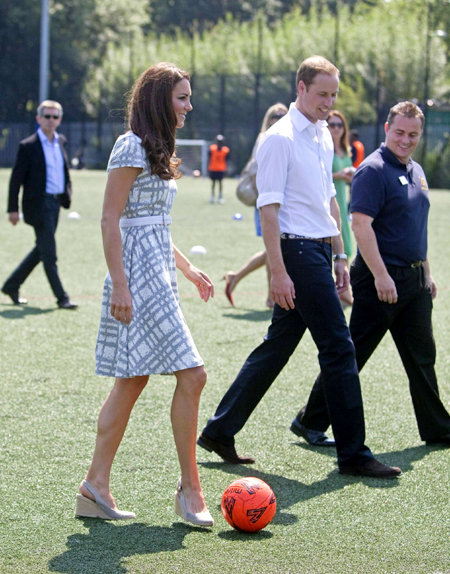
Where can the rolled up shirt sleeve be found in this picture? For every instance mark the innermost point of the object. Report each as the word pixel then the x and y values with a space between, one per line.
pixel 273 157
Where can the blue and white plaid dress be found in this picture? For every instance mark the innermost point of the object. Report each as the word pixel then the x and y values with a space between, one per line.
pixel 157 340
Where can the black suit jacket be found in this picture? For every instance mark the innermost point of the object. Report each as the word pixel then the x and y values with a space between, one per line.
pixel 29 171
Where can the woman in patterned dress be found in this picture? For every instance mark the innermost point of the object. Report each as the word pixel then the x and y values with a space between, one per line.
pixel 142 329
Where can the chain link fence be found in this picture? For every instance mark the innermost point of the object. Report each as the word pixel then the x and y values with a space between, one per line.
pixel 232 105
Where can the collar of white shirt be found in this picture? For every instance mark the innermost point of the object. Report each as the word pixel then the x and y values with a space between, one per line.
pixel 301 122
pixel 44 139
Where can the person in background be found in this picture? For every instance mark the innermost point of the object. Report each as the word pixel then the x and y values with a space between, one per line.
pixel 358 151
pixel 218 156
pixel 259 259
pixel 142 328
pixel 342 175
pixel 42 169
pixel 391 277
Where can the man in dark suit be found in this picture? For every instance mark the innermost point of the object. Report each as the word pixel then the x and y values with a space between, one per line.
pixel 41 167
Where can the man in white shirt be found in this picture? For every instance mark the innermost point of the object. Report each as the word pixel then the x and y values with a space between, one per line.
pixel 41 168
pixel 299 216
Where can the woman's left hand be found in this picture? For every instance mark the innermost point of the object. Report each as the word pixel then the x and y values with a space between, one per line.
pixel 201 281
pixel 347 174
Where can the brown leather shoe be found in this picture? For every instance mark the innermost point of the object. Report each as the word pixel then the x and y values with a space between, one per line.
pixel 226 452
pixel 373 468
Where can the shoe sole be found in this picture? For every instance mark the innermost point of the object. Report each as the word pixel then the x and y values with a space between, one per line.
pixel 87 508
pixel 381 476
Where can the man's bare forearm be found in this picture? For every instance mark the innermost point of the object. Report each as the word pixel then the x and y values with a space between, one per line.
pixel 271 235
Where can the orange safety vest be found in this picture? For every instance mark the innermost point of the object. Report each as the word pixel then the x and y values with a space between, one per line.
pixel 218 161
pixel 359 153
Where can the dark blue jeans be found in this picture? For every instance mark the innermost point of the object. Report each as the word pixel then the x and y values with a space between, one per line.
pixel 409 321
pixel 45 251
pixel 317 308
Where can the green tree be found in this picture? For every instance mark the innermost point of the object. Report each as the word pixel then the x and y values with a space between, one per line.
pixel 80 33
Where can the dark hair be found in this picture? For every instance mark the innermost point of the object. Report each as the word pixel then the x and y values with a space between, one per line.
pixel 407 110
pixel 344 143
pixel 152 118
pixel 312 66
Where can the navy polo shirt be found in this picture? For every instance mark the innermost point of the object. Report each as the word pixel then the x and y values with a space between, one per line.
pixel 396 196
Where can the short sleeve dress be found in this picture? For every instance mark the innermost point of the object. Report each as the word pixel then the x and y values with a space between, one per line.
pixel 157 340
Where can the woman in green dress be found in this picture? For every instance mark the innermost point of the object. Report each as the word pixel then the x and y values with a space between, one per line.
pixel 342 175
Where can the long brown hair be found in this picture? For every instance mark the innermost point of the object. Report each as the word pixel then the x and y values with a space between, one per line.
pixel 344 141
pixel 151 117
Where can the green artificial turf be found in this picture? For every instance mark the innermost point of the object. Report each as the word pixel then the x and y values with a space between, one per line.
pixel 325 523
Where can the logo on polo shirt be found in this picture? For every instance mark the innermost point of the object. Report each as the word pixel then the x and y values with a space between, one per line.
pixel 423 181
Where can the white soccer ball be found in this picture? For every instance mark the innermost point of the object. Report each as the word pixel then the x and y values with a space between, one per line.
pixel 198 250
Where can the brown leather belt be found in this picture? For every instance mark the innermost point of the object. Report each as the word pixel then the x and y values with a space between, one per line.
pixel 319 239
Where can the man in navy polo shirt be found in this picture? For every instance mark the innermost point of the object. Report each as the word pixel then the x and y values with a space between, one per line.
pixel 391 279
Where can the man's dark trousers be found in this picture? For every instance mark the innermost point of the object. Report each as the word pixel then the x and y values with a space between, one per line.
pixel 45 251
pixel 409 321
pixel 318 309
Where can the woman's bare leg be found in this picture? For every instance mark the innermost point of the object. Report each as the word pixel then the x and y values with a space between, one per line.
pixel 184 415
pixel 112 422
pixel 255 262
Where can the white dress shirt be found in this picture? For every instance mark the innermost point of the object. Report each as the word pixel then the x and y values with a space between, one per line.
pixel 54 163
pixel 295 159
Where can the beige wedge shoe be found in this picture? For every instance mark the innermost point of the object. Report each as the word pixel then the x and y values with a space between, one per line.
pixel 98 508
pixel 198 518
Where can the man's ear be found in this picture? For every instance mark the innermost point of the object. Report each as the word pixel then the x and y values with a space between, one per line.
pixel 301 88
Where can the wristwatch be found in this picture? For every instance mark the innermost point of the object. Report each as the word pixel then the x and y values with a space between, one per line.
pixel 340 256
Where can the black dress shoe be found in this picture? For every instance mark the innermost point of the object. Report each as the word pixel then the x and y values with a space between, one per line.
pixel 225 451
pixel 67 304
pixel 373 469
pixel 15 297
pixel 443 440
pixel 314 437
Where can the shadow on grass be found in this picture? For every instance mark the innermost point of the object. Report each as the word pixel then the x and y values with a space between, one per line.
pixel 402 458
pixel 102 550
pixel 290 492
pixel 251 315
pixel 233 535
pixel 19 312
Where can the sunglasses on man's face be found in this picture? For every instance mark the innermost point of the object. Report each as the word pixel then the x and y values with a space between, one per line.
pixel 48 116
pixel 335 125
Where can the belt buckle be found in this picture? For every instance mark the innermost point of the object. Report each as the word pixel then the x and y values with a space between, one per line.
pixel 416 264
